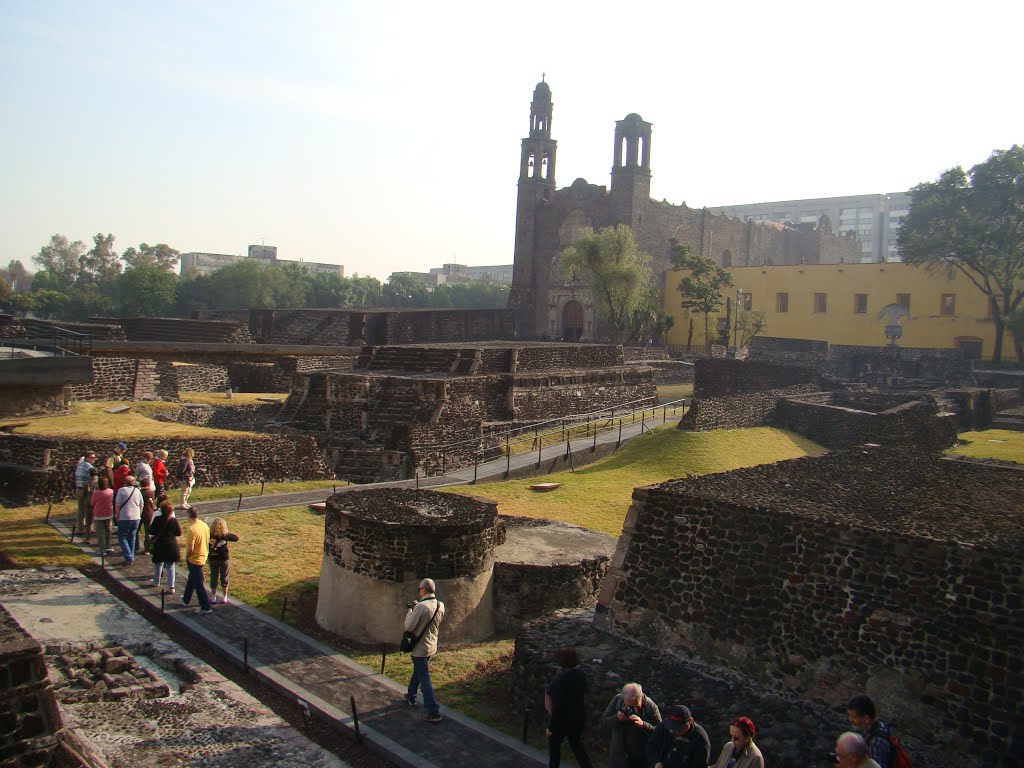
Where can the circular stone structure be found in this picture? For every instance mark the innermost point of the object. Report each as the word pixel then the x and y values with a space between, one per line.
pixel 379 544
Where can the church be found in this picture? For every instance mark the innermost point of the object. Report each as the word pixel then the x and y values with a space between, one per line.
pixel 549 219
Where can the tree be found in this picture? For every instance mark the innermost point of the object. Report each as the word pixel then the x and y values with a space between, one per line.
pixel 701 289
pixel 58 262
pixel 160 255
pixel 5 289
pixel 100 265
pixel 973 223
pixel 613 269
pixel 750 323
pixel 147 290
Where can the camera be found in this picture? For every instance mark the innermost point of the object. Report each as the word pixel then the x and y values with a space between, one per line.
pixel 628 711
pixel 410 604
pixel 832 757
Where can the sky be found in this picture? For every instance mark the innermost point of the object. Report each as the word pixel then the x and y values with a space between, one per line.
pixel 385 136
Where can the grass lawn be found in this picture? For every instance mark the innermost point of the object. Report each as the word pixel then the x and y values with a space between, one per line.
pixel 90 420
pixel 237 398
pixel 669 392
pixel 27 540
pixel 1004 444
pixel 597 496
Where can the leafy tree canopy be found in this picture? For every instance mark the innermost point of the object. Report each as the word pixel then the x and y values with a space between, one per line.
pixel 701 290
pixel 613 269
pixel 973 223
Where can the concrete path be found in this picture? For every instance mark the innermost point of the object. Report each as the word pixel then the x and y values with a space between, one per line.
pixel 520 465
pixel 307 670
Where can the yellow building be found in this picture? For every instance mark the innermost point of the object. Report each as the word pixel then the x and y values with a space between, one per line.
pixel 839 304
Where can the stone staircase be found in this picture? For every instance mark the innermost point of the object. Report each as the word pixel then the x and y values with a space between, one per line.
pixel 413 359
pixel 1011 419
pixel 359 462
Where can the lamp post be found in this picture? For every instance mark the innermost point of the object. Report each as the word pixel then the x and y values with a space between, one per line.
pixel 736 322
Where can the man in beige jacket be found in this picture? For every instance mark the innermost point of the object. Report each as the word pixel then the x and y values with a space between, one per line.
pixel 423 619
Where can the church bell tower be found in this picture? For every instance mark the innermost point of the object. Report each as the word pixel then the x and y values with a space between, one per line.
pixel 527 299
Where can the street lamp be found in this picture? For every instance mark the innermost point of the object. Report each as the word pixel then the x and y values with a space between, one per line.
pixel 736 322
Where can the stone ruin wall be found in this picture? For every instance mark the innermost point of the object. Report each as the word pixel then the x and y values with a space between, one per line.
pixel 801 603
pixel 278 458
pixel 202 377
pixel 524 591
pixel 387 550
pixel 32 730
pixel 750 409
pixel 127 378
pixel 840 422
pixel 543 396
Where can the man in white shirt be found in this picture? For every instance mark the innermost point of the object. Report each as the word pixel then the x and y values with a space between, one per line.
pixel 423 620
pixel 128 513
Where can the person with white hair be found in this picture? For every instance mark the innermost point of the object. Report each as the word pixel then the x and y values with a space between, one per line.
pixel 423 620
pixel 630 717
pixel 128 512
pixel 852 752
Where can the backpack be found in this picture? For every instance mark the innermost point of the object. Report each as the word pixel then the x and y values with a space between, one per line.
pixel 900 758
pixel 182 468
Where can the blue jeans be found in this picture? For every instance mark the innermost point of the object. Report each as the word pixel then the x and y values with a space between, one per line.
pixel 421 679
pixel 127 531
pixel 196 581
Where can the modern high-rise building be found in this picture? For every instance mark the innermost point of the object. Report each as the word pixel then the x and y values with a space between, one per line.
pixel 874 219
pixel 204 263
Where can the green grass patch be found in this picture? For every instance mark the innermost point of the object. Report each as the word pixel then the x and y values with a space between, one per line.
pixel 669 392
pixel 237 398
pixel 214 492
pixel 1003 444
pixel 597 496
pixel 29 542
pixel 90 420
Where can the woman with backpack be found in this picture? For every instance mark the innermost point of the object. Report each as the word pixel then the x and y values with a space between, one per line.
pixel 164 545
pixel 186 476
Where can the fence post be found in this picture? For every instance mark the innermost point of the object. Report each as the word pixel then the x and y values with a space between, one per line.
pixel 49 507
pixel 526 721
pixel 620 433
pixel 355 718
pixel 538 455
pixel 262 483
pixel 74 530
pixel 594 447
pixel 383 656
pixel 284 608
pixel 245 653
pixel 239 503
pixel 163 595
pixel 508 461
pixel 476 463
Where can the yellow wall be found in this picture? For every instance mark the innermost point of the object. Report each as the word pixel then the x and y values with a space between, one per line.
pixel 839 324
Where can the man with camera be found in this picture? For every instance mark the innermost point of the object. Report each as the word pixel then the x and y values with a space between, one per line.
pixel 631 717
pixel 423 619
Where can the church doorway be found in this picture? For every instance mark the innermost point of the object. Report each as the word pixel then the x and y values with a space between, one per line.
pixel 572 321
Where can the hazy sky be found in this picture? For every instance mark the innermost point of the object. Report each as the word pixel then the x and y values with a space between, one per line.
pixel 385 136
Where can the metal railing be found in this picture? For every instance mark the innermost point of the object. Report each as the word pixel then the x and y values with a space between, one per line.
pixel 589 427
pixel 62 343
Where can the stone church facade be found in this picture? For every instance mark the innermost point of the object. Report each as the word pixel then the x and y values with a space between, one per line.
pixel 549 219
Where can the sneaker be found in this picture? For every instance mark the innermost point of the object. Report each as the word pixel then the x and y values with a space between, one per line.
pixel 170 591
pixel 126 563
pixel 410 702
pixel 204 611
pixel 225 600
pixel 433 717
pixel 154 582
pixel 184 602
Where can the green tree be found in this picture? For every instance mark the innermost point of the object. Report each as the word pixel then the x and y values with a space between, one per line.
pixel 146 290
pixel 750 323
pixel 100 265
pixel 23 303
pixel 160 255
pixel 5 289
pixel 613 269
pixel 702 289
pixel 58 262
pixel 973 223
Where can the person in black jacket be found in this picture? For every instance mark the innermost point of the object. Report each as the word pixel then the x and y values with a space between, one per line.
pixel 219 559
pixel 565 701
pixel 679 742
pixel 163 546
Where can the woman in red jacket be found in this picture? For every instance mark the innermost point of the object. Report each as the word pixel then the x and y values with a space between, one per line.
pixel 159 472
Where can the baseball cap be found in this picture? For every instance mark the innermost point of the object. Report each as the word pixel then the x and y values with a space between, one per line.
pixel 678 716
pixel 122 446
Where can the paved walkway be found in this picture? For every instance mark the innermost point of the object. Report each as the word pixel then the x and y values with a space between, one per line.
pixel 305 669
pixel 520 465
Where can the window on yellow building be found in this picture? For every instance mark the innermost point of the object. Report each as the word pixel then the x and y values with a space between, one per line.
pixel 820 302
pixel 782 302
pixel 947 307
pixel 860 303
pixel 748 301
pixel 903 299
